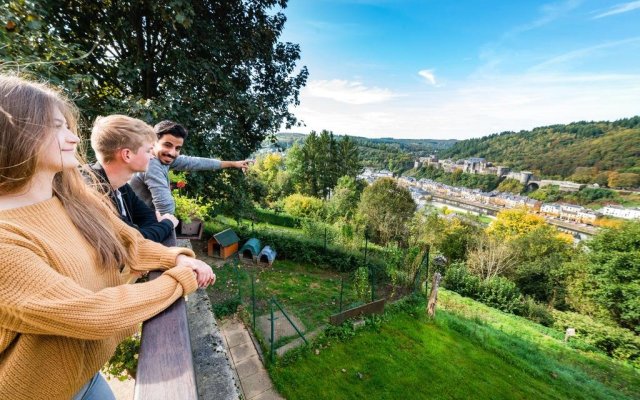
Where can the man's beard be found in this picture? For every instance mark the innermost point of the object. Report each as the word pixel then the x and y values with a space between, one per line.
pixel 165 156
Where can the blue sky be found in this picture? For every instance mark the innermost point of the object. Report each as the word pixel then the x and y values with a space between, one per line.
pixel 461 69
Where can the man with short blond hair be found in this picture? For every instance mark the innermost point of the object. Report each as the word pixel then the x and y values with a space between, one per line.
pixel 123 147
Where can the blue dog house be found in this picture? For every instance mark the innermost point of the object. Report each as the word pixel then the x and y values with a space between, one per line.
pixel 267 255
pixel 250 250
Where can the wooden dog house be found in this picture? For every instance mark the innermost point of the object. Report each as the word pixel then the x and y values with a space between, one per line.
pixel 223 244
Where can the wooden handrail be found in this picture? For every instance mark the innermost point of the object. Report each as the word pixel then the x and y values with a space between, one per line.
pixel 165 364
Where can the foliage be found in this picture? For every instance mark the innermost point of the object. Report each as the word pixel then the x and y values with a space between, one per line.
pixel 344 200
pixel 613 273
pixel 218 68
pixel 296 247
pixel 490 257
pixel 276 218
pixel 535 311
pixel 547 194
pixel 449 236
pixel 514 222
pixel 318 164
pixel 486 183
pixel 361 287
pixel 618 343
pixel 541 255
pixel 559 150
pixel 511 186
pixel 273 181
pixel 124 362
pixel 496 292
pixel 188 208
pixel 386 208
pixel 299 205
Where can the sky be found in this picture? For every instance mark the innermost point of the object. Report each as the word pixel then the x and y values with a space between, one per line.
pixel 436 69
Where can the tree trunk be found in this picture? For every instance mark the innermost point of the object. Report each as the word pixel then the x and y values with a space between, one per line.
pixel 433 298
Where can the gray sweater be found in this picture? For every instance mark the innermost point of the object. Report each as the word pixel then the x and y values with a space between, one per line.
pixel 152 186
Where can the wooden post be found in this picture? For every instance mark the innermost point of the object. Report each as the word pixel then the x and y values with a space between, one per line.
pixel 433 298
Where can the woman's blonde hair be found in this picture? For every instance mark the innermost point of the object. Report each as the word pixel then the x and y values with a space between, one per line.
pixel 26 120
pixel 115 132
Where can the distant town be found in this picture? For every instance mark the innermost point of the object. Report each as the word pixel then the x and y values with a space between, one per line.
pixel 423 190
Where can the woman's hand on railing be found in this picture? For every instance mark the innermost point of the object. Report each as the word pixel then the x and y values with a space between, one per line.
pixel 204 274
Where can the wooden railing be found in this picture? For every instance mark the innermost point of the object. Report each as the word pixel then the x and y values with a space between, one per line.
pixel 165 364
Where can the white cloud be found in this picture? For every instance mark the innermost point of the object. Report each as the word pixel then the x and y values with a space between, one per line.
pixel 619 9
pixel 581 53
pixel 549 13
pixel 428 75
pixel 347 92
pixel 478 107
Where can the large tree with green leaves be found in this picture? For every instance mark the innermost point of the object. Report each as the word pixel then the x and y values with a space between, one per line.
pixel 387 209
pixel 316 166
pixel 613 273
pixel 217 67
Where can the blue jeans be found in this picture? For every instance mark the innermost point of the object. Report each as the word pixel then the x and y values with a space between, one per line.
pixel 96 389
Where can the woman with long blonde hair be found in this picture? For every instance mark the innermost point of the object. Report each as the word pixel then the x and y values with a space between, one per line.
pixel 65 256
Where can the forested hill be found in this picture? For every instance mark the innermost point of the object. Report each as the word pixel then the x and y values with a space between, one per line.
pixel 557 150
pixel 393 154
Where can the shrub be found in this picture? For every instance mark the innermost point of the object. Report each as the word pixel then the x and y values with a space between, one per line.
pixel 500 293
pixel 277 218
pixel 536 312
pixel 124 361
pixel 188 208
pixel 298 248
pixel 300 205
pixel 617 342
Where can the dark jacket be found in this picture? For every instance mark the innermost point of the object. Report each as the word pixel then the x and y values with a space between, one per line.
pixel 139 215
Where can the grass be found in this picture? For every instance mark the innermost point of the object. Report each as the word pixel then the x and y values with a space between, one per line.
pixel 469 351
pixel 309 292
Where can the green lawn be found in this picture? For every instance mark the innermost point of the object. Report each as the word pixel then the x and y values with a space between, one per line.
pixel 310 293
pixel 453 357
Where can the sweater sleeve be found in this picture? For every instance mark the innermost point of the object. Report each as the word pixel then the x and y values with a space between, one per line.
pixel 146 254
pixel 157 181
pixel 187 163
pixel 145 218
pixel 36 299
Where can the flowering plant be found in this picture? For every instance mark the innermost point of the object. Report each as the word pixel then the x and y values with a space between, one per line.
pixel 177 179
pixel 188 208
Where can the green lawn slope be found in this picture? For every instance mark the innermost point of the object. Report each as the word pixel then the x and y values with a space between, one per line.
pixel 468 352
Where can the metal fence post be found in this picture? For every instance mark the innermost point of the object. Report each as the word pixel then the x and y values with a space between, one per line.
pixel 341 292
pixel 253 298
pixel 272 328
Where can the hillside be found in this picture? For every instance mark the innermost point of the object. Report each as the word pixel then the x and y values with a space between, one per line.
pixel 384 153
pixel 468 351
pixel 557 150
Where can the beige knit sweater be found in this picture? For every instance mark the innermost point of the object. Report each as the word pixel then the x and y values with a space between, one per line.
pixel 61 314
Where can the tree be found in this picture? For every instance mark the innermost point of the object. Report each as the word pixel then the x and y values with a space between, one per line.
pixel 216 67
pixel 317 165
pixel 613 268
pixel 540 258
pixel 514 222
pixel 490 257
pixel 344 201
pixel 300 205
pixel 511 186
pixel 387 208
pixel 295 166
pixel 624 180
